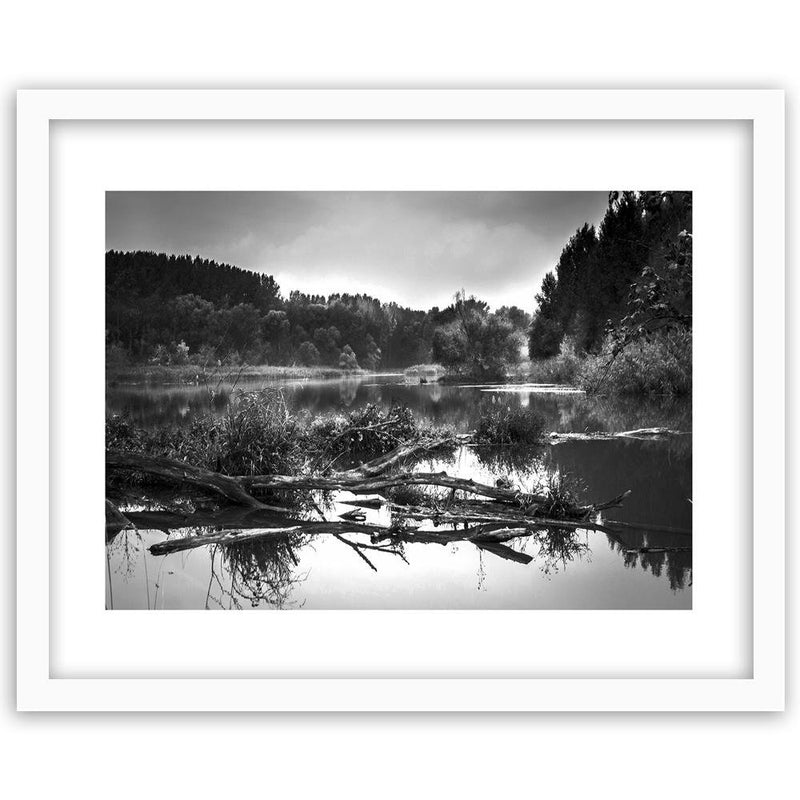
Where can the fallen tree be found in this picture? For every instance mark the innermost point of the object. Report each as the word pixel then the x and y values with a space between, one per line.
pixel 642 434
pixel 182 473
pixel 369 478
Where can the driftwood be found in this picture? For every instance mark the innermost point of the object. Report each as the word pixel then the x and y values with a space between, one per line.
pixel 490 538
pixel 404 452
pixel 365 479
pixel 646 526
pixel 347 481
pixel 236 489
pixel 238 536
pixel 180 472
pixel 488 512
pixel 488 525
pixel 236 526
pixel 487 516
pixel 644 434
pixel 506 506
pixel 115 520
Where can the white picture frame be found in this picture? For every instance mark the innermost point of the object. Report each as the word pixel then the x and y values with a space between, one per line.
pixel 40 688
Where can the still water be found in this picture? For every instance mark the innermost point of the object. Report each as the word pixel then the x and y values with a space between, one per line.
pixel 587 569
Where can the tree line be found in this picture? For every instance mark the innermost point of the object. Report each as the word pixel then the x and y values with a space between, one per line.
pixel 172 309
pixel 629 278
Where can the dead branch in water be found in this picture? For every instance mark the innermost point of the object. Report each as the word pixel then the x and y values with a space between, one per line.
pixel 115 520
pixel 366 479
pixel 181 472
pixel 646 526
pixel 231 529
pixel 238 535
pixel 643 434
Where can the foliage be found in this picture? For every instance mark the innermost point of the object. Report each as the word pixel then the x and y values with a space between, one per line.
pixel 477 343
pixel 171 355
pixel 428 372
pixel 601 272
pixel 562 492
pixel 660 364
pixel 347 359
pixel 154 299
pixel 308 355
pixel 257 435
pixel 510 425
pixel 563 368
pixel 372 360
pixel 662 298
pixel 367 432
pixel 117 356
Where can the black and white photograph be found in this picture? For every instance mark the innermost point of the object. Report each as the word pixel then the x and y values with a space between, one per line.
pixel 398 400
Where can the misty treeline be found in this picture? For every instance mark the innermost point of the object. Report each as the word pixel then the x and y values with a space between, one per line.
pixel 628 280
pixel 169 309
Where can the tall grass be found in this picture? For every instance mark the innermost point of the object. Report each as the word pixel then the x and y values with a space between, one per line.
pixel 662 366
pixel 563 368
pixel 365 432
pixel 258 435
pixel 510 425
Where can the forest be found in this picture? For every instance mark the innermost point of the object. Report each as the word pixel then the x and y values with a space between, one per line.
pixel 617 301
pixel 171 309
pixel 639 258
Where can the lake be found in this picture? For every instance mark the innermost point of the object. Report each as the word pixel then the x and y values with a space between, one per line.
pixel 642 566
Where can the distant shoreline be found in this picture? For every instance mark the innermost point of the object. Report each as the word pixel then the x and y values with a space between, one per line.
pixel 193 374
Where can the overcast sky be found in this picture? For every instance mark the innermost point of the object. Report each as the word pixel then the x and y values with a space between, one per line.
pixel 417 248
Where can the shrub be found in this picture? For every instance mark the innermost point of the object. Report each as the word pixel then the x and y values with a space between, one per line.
pixel 660 366
pixel 308 355
pixel 347 358
pixel 255 436
pixel 170 354
pixel 510 426
pixel 368 432
pixel 117 356
pixel 562 492
pixel 477 344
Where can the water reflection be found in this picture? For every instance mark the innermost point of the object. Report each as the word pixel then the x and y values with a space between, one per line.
pixel 394 563
pixel 646 564
pixel 150 405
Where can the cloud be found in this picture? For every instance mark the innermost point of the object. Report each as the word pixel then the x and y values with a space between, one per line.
pixel 417 248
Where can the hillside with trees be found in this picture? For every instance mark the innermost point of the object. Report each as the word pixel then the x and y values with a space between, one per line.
pixel 172 310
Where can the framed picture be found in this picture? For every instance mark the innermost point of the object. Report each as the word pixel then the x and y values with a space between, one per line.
pixel 401 400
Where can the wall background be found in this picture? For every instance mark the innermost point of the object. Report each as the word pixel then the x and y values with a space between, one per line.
pixel 362 44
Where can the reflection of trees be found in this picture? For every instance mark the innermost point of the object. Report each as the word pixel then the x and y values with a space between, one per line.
pixel 126 547
pixel 522 461
pixel 659 475
pixel 633 547
pixel 555 548
pixel 256 571
pixel 260 568
pixel 348 389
